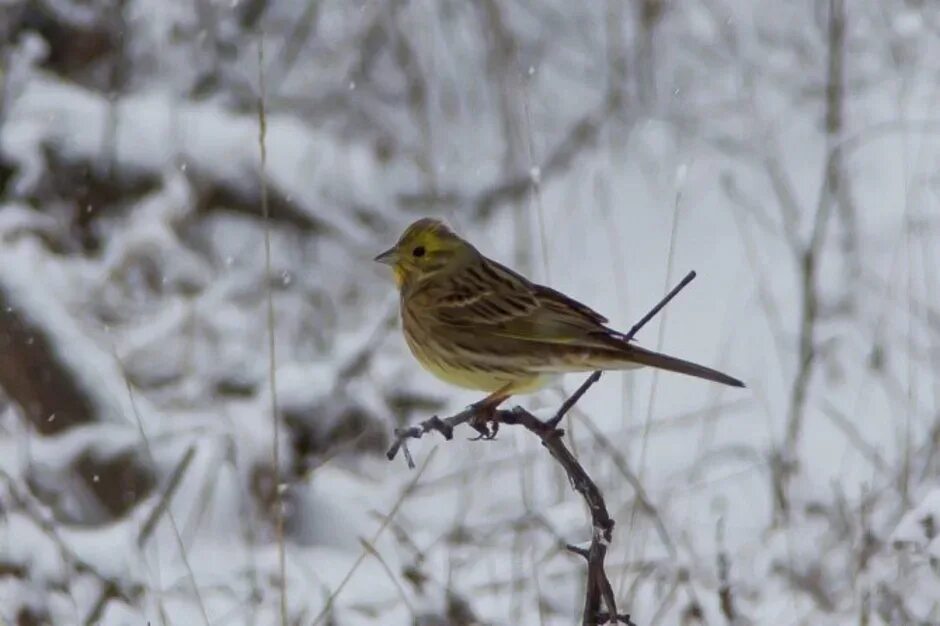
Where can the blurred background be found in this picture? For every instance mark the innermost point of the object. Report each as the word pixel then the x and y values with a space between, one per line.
pixel 787 152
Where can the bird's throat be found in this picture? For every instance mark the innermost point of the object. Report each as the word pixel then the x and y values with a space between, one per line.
pixel 399 276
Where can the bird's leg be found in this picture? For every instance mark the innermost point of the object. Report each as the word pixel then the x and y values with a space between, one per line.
pixel 484 413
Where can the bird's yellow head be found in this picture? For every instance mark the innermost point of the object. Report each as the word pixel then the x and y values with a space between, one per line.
pixel 425 249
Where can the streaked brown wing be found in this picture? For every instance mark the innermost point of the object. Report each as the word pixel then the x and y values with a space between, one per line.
pixel 483 294
pixel 496 300
pixel 553 298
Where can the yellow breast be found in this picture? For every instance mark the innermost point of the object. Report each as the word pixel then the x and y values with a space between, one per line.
pixel 460 369
pixel 483 380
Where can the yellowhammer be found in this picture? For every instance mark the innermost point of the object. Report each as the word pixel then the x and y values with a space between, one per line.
pixel 477 324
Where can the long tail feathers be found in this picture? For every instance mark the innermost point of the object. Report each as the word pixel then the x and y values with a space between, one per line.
pixel 642 356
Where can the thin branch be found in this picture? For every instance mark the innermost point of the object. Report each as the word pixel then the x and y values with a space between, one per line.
pixel 808 257
pixel 166 497
pixel 659 307
pixel 725 593
pixel 371 549
pixel 573 399
pixel 443 426
pixel 642 497
pixel 852 434
pixel 835 124
pixel 148 450
pixel 272 354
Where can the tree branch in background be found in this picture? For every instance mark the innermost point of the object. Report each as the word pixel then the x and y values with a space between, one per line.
pixel 833 191
pixel 598 591
pixel 835 125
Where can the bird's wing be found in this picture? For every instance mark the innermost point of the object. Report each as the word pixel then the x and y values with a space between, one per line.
pixel 484 294
pixel 498 301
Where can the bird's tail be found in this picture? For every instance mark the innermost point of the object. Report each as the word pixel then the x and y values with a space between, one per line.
pixel 636 355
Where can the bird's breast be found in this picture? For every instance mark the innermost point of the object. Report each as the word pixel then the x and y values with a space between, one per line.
pixel 461 359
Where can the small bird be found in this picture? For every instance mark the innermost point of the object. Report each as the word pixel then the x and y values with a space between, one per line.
pixel 475 323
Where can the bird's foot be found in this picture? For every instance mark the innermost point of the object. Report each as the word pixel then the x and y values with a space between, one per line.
pixel 485 419
pixel 487 426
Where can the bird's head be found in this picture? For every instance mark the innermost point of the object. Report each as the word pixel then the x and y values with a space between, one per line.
pixel 426 248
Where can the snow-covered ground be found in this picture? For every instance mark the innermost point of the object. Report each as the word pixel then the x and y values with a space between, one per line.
pixel 786 152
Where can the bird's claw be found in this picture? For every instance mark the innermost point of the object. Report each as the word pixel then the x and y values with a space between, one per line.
pixel 485 416
pixel 486 424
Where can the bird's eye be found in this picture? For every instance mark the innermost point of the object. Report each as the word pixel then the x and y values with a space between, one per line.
pixel 419 251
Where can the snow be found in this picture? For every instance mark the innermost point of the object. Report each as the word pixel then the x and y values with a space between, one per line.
pixel 918 528
pixel 37 284
pixel 152 132
pixel 130 235
pixel 18 218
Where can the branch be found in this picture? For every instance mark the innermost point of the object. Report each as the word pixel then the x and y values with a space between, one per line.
pixel 444 426
pixel 598 590
pixel 659 307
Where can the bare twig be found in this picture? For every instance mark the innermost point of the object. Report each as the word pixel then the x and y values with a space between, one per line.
pixel 808 256
pixel 272 355
pixel 573 399
pixel 725 595
pixel 852 434
pixel 148 450
pixel 659 307
pixel 598 587
pixel 166 496
pixel 835 115
pixel 371 549
pixel 620 462
pixel 598 591
pixel 443 426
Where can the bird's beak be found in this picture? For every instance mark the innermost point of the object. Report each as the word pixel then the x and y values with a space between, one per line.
pixel 389 257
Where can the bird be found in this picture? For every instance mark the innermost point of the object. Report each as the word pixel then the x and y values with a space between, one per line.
pixel 477 324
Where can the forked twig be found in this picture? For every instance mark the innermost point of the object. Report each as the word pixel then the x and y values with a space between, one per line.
pixel 598 591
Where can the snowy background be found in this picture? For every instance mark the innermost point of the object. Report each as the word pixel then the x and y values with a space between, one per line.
pixel 788 152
